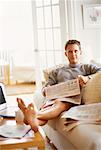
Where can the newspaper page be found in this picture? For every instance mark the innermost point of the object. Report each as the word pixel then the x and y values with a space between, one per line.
pixel 14 131
pixel 73 124
pixel 64 89
pixel 85 113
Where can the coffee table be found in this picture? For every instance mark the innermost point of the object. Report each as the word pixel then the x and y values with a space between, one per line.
pixel 35 140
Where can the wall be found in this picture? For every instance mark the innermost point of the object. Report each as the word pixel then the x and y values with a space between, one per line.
pixel 89 37
pixel 16 30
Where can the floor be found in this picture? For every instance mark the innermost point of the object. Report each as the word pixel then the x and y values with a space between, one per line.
pixel 21 88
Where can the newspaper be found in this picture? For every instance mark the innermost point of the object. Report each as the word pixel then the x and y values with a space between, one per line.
pixel 85 113
pixel 64 89
pixel 14 131
pixel 73 124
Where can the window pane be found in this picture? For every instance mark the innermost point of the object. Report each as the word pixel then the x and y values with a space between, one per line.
pixel 49 39
pixel 48 17
pixel 55 1
pixel 57 39
pixel 46 2
pixel 50 58
pixel 40 17
pixel 41 40
pixel 56 16
pixel 39 3
pixel 58 57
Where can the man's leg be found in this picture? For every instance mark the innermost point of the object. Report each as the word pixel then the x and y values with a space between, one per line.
pixel 29 114
pixel 53 111
pixel 34 119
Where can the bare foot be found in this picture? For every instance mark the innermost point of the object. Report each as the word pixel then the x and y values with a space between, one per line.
pixel 29 114
pixel 22 106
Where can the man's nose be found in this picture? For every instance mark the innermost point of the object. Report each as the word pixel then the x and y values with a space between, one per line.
pixel 73 52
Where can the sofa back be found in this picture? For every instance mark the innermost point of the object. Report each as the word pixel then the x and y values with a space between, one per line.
pixel 47 71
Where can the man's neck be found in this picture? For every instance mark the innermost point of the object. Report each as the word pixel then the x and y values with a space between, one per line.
pixel 74 65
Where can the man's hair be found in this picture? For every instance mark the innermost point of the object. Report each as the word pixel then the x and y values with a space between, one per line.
pixel 72 42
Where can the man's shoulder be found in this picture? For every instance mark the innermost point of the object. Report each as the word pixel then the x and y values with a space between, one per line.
pixel 87 65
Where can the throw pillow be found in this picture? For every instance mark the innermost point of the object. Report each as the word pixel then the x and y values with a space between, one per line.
pixel 91 93
pixel 47 71
pixel 95 63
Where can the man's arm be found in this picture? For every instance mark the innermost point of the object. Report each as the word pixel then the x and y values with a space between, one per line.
pixel 90 70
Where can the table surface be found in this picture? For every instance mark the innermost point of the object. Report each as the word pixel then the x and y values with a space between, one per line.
pixel 30 140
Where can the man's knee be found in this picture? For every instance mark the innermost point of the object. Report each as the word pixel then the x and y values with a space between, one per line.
pixel 64 106
pixel 67 105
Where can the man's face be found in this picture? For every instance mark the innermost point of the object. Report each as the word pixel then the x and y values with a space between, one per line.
pixel 73 53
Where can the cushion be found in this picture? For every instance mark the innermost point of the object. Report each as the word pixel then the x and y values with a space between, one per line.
pixel 91 93
pixel 46 72
pixel 38 98
pixel 95 63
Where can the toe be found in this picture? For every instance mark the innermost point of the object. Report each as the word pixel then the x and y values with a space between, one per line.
pixel 21 104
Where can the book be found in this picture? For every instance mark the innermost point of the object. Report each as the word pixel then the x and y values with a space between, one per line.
pixel 14 131
pixel 84 113
pixel 66 91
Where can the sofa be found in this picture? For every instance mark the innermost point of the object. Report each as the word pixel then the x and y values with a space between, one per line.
pixel 85 136
pixel 23 74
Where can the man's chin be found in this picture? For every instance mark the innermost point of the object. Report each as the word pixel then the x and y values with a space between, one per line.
pixel 74 62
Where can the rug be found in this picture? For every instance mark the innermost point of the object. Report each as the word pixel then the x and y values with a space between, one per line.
pixel 24 88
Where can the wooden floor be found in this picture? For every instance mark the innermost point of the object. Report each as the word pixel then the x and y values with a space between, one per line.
pixel 21 88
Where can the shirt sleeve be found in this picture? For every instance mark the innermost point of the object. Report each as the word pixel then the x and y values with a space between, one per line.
pixel 91 70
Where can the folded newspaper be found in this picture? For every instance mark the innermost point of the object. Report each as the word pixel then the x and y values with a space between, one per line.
pixel 85 113
pixel 72 125
pixel 14 131
pixel 64 89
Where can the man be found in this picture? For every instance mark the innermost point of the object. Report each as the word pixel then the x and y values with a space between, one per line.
pixel 74 70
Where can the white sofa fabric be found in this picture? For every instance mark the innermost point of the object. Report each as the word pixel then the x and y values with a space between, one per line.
pixel 82 137
pixel 23 74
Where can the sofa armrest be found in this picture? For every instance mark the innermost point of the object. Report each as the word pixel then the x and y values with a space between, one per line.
pixel 39 99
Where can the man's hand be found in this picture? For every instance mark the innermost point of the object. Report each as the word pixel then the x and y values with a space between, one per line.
pixel 82 80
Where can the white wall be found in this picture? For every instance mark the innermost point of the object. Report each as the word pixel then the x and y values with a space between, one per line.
pixel 16 30
pixel 90 37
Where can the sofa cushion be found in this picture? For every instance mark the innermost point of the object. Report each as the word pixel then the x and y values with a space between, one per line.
pixel 92 91
pixel 95 63
pixel 46 72
pixel 38 99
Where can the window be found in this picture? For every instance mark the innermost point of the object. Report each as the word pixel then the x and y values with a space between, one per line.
pixel 49 30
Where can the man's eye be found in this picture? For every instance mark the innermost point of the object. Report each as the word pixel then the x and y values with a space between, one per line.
pixel 69 51
pixel 76 51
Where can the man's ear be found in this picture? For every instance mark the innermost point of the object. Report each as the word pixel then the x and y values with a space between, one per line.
pixel 65 54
